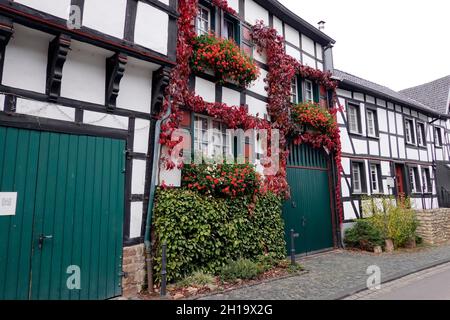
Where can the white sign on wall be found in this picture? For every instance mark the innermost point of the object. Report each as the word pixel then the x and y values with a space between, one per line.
pixel 8 202
pixel 390 182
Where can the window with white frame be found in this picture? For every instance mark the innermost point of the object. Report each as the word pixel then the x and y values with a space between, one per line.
pixel 421 137
pixel 413 180
pixel 409 131
pixel 438 137
pixel 353 118
pixel 309 91
pixel 211 138
pixel 372 123
pixel 230 29
pixel 203 20
pixel 357 177
pixel 426 181
pixel 294 90
pixel 374 178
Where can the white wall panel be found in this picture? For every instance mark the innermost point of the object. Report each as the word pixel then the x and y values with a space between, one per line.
pixel 141 136
pixel 136 211
pixel 319 52
pixel 399 120
pixel 391 118
pixel 374 149
pixel 370 99
pixel 259 85
pixel 254 12
pixel 344 93
pixel 152 28
pixel 105 120
pixel 412 154
pixel 45 110
pixel 344 188
pixel 349 211
pixel 138 177
pixel 382 119
pixel 385 168
pixel 206 89
pixel 308 61
pixel 360 146
pixel 256 107
pixel 278 25
pixel 136 86
pixel 59 8
pixel 384 143
pixel 26 56
pixel 346 165
pixel 107 16
pixel 345 141
pixel 84 74
pixel 292 35
pixel 293 52
pixel 232 4
pixel 231 97
pixel 358 96
pixel 394 147
pixel 2 102
pixel 401 144
pixel 308 45
pixel 423 155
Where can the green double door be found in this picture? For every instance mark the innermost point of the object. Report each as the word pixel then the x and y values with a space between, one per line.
pixel 308 211
pixel 65 239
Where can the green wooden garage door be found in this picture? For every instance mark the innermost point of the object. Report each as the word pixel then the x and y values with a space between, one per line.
pixel 71 190
pixel 308 211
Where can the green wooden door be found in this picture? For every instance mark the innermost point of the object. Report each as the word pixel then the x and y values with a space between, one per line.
pixel 69 215
pixel 308 211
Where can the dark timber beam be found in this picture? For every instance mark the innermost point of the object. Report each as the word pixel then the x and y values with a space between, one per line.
pixel 57 55
pixel 6 30
pixel 115 69
pixel 160 82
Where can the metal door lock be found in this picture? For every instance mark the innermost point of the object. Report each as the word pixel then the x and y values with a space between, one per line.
pixel 42 238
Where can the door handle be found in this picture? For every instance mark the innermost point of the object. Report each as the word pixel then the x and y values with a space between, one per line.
pixel 42 238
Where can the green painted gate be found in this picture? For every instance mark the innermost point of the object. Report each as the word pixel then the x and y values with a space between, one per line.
pixel 308 211
pixel 69 215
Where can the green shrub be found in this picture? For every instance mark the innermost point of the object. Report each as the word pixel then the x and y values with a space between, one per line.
pixel 197 279
pixel 396 220
pixel 203 233
pixel 243 269
pixel 363 235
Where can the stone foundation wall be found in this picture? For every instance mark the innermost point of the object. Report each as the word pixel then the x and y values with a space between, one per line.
pixel 434 225
pixel 134 269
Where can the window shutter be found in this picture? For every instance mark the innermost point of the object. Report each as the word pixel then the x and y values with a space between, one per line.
pixel 316 93
pixel 300 89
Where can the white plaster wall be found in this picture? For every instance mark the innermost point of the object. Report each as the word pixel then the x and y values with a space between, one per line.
pixel 138 177
pixel 391 119
pixel 231 97
pixel 2 102
pixel 105 120
pixel 205 89
pixel 293 52
pixel 346 165
pixel 308 61
pixel 382 119
pixel 308 45
pixel 401 144
pixel 261 57
pixel 423 155
pixel 344 93
pixel 319 51
pixel 137 209
pixel 107 16
pixel 412 154
pixel 256 107
pixel 344 188
pixel 439 155
pixel 360 146
pixel 399 120
pixel 136 86
pixel 374 149
pixel 384 143
pixel 394 147
pixel 254 12
pixel 59 8
pixel 169 177
pixel 345 141
pixel 141 136
pixel 259 85
pixel 349 212
pixel 84 74
pixel 385 168
pixel 45 110
pixel 320 66
pixel 358 96
pixel 278 25
pixel 370 99
pixel 232 4
pixel 26 58
pixel 152 28
pixel 292 35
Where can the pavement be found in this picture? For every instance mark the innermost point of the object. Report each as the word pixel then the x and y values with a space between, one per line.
pixel 341 274
pixel 430 284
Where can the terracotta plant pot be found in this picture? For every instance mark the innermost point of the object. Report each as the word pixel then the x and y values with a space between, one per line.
pixel 378 250
pixel 389 245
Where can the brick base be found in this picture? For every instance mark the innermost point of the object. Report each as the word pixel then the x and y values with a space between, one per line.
pixel 134 269
pixel 434 225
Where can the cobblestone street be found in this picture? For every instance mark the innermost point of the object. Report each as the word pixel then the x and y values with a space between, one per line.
pixel 339 274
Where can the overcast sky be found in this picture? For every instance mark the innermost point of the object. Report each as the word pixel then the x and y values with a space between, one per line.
pixel 397 43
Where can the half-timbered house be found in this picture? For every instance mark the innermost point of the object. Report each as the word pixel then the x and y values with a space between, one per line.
pixel 390 143
pixel 81 81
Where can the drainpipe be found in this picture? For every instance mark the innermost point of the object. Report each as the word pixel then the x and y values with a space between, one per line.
pixel 148 223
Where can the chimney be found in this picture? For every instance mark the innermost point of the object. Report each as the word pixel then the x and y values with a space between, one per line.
pixel 321 25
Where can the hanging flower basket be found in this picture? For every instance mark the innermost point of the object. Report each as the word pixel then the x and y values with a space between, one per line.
pixel 224 58
pixel 314 118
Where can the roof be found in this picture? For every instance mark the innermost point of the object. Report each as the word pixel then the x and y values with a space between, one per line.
pixel 280 11
pixel 435 94
pixel 380 90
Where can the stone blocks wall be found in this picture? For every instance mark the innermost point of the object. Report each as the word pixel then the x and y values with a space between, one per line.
pixel 434 225
pixel 134 269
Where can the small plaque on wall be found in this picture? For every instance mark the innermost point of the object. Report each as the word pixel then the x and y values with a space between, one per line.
pixel 8 203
